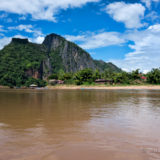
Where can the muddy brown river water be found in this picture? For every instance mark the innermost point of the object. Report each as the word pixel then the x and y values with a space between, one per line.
pixel 79 124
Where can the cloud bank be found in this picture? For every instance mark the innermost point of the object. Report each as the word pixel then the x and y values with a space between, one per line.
pixel 129 14
pixel 146 50
pixel 91 40
pixel 149 2
pixel 40 9
pixel 145 46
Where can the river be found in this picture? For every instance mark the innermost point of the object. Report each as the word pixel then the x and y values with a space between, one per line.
pixel 79 124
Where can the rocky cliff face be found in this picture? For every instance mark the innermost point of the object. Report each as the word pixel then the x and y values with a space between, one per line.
pixel 70 57
pixel 24 59
pixel 66 55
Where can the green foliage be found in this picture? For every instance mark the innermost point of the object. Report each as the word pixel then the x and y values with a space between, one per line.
pixel 56 61
pixel 38 82
pixel 121 78
pixel 67 76
pixel 135 74
pixel 85 75
pixel 109 66
pixel 108 74
pixel 97 74
pixel 33 65
pixel 153 76
pixel 69 81
pixel 53 76
pixel 61 74
pixel 16 59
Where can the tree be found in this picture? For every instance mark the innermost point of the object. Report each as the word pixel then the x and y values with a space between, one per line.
pixel 61 74
pixel 97 74
pixel 38 82
pixel 85 75
pixel 122 78
pixel 135 74
pixel 16 59
pixel 67 76
pixel 153 76
pixel 108 74
pixel 53 76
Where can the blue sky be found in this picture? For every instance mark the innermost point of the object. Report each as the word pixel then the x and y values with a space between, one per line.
pixel 126 33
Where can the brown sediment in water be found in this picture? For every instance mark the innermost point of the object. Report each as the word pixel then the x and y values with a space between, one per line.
pixel 79 125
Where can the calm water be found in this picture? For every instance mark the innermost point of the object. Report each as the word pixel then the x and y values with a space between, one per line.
pixel 79 125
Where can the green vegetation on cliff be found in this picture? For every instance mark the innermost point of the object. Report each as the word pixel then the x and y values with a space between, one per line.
pixel 22 62
pixel 18 61
pixel 106 66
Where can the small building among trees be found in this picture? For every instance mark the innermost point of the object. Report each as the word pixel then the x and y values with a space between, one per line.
pixel 103 81
pixel 55 81
pixel 144 78
pixel 32 86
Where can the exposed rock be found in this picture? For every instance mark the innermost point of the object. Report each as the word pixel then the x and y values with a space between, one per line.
pixel 70 57
pixel 24 59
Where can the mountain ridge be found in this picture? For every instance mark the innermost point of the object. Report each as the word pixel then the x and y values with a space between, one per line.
pixel 21 59
pixel 72 55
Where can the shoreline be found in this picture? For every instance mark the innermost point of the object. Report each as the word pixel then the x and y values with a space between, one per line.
pixel 131 87
pixel 91 87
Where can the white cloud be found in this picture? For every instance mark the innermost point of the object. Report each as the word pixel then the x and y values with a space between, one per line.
pixel 38 39
pixel 22 18
pixel 149 2
pixel 37 35
pixel 145 45
pixel 5 18
pixel 4 15
pixel 129 14
pixel 92 40
pixel 146 50
pixel 4 41
pixel 152 16
pixel 76 38
pixel 1 28
pixel 26 28
pixel 40 9
pixel 19 36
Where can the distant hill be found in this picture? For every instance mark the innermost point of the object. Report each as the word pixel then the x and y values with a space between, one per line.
pixel 22 59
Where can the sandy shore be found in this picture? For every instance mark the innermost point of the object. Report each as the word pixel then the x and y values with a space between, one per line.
pixel 101 87
pixel 4 87
pixel 147 87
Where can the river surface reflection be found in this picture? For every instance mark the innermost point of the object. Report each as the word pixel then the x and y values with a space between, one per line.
pixel 79 125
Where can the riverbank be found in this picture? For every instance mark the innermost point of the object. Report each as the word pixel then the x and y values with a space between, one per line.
pixel 97 87
pixel 4 87
pixel 134 87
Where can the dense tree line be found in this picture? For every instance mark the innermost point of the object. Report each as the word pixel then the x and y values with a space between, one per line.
pixel 82 77
pixel 88 76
